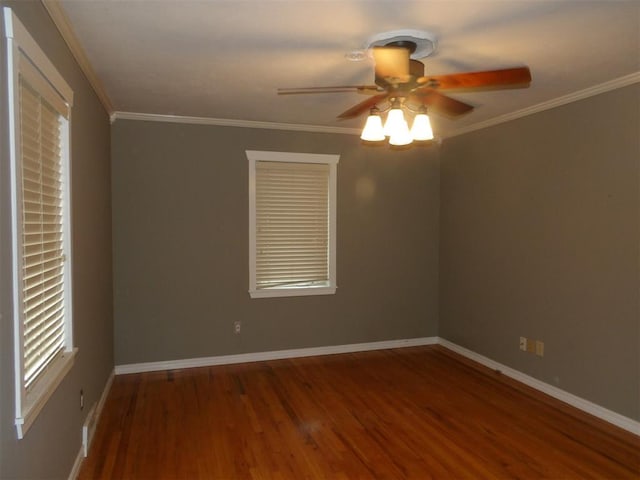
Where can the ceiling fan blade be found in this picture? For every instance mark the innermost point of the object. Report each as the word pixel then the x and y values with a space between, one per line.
pixel 510 78
pixel 392 63
pixel 367 89
pixel 439 102
pixel 362 107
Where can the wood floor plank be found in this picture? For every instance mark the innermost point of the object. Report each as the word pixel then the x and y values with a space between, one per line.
pixel 413 413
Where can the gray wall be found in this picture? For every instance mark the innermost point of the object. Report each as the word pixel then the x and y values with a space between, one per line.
pixel 53 442
pixel 180 221
pixel 540 238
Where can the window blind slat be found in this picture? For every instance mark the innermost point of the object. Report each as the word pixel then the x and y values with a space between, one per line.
pixel 30 240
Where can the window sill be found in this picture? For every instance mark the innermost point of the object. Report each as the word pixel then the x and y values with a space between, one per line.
pixel 291 292
pixel 42 390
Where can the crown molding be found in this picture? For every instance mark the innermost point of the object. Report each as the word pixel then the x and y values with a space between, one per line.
pixel 226 122
pixel 64 27
pixel 553 103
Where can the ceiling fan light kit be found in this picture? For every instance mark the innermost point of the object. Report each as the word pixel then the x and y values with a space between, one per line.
pixel 401 80
pixel 396 127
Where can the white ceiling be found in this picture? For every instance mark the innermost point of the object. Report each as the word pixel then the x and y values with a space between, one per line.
pixel 224 59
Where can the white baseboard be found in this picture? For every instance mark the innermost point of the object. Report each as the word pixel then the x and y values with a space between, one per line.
pixel 273 355
pixel 105 394
pixel 82 453
pixel 555 392
pixel 75 469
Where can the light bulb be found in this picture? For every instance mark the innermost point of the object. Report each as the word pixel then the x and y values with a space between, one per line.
pixel 421 129
pixel 395 120
pixel 401 136
pixel 373 131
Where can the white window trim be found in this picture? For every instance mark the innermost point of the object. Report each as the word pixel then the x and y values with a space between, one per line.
pixel 332 160
pixel 20 46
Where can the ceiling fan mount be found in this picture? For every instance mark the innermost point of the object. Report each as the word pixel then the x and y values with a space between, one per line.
pixel 421 42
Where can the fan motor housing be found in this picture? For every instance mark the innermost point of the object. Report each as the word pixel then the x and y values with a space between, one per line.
pixel 416 70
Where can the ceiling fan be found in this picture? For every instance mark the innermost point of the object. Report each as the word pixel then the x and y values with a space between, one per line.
pixel 401 81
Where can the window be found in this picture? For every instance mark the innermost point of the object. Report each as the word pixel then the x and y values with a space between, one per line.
pixel 39 112
pixel 292 224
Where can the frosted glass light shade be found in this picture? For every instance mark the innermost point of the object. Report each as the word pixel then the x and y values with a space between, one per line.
pixel 394 123
pixel 401 136
pixel 373 131
pixel 421 129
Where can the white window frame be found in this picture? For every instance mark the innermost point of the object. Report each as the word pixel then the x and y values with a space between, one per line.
pixel 24 57
pixel 267 156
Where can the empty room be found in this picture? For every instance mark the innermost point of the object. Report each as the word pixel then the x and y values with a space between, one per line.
pixel 321 239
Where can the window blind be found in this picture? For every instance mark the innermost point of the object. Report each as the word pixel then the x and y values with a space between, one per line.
pixel 42 231
pixel 292 224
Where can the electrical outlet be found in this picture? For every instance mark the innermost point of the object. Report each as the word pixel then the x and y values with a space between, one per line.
pixel 531 346
pixel 523 344
pixel 539 348
pixel 237 326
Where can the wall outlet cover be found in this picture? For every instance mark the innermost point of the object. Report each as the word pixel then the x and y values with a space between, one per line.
pixel 523 344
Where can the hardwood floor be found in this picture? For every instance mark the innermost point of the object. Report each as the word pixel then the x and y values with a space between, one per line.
pixel 420 413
